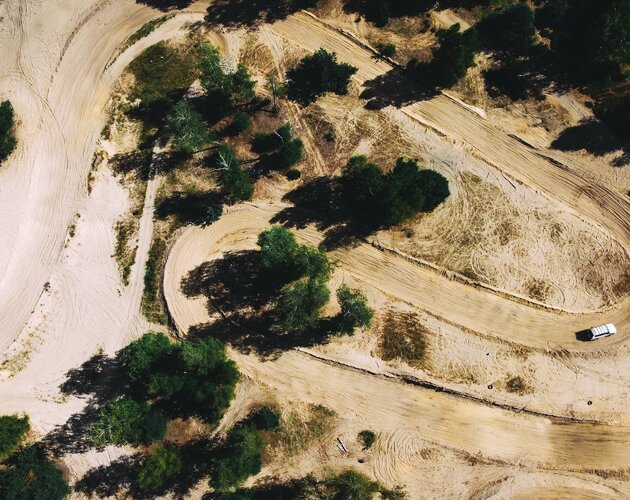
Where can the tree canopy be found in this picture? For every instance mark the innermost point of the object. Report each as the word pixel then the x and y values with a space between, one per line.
pixel 301 303
pixel 33 477
pixel 381 199
pixel 230 174
pixel 511 29
pixel 240 458
pixel 158 468
pixel 453 56
pixel 7 139
pixel 192 377
pixel 13 430
pixel 317 74
pixel 189 131
pixel 237 85
pixel 355 312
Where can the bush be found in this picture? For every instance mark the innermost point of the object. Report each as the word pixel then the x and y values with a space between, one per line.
pixel 7 139
pixel 355 312
pixel 453 56
pixel 195 377
pixel 125 421
pixel 290 153
pixel 237 87
pixel 386 49
pixel 13 430
pixel 33 477
pixel 159 467
pixel 317 74
pixel 293 174
pixel 301 303
pixel 511 29
pixel 266 143
pixel 265 419
pixel 367 438
pixel 242 122
pixel 189 131
pixel 350 485
pixel 241 458
pixel 214 211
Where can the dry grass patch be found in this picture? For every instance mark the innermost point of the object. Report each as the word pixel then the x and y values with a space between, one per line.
pixel 517 385
pixel 300 430
pixel 403 338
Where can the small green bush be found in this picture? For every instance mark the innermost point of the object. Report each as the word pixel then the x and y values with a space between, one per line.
pixel 240 459
pixel 265 419
pixel 355 312
pixel 293 174
pixel 367 438
pixel 13 430
pixel 231 175
pixel 7 139
pixel 386 49
pixel 159 467
pixel 242 122
pixel 189 131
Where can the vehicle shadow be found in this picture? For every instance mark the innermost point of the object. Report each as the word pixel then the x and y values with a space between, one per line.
pixel 583 335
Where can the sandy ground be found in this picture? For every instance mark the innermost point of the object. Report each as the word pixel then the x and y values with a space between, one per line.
pixel 62 299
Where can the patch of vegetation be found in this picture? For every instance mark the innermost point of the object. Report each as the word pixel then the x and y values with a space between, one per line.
pixel 240 458
pixel 192 378
pixel 151 301
pixel 368 438
pixel 301 304
pixel 355 312
pixel 187 127
pixel 241 122
pixel 145 30
pixel 159 468
pixel 299 432
pixel 386 49
pixel 13 430
pixel 517 385
pixel 7 139
pixel 234 179
pixel 293 174
pixel 125 421
pixel 453 56
pixel 404 338
pixel 280 150
pixel 125 256
pixel 389 199
pixel 32 476
pixel 511 30
pixel 317 74
pixel 265 419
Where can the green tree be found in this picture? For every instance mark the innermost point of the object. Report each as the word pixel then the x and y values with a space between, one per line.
pixel 434 187
pixel 453 56
pixel 240 459
pixel 278 252
pixel 266 143
pixel 231 175
pixel 290 153
pixel 301 304
pixel 188 128
pixel 386 49
pixel 265 419
pixel 7 139
pixel 355 312
pixel 13 430
pixel 242 123
pixel 511 29
pixel 351 485
pixel 317 74
pixel 367 438
pixel 362 183
pixel 237 86
pixel 158 468
pixel 33 477
pixel 125 421
pixel 141 356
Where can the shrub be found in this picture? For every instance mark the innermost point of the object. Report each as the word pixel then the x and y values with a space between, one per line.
pixel 301 303
pixel 355 312
pixel 386 49
pixel 159 467
pixel 125 421
pixel 290 153
pixel 350 485
pixel 266 143
pixel 13 430
pixel 265 419
pixel 7 139
pixel 293 174
pixel 367 438
pixel 317 74
pixel 241 458
pixel 242 122
pixel 214 211
pixel 237 86
pixel 33 477
pixel 189 131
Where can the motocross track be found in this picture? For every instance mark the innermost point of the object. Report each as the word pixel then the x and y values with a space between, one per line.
pixel 57 70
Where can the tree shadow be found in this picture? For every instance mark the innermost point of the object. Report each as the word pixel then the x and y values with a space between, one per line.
pixel 318 202
pixel 399 87
pixel 245 298
pixel 235 13
pixel 596 138
pixel 107 480
pixel 166 5
pixel 189 208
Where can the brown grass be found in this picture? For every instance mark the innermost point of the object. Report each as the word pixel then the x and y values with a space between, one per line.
pixel 403 338
pixel 300 430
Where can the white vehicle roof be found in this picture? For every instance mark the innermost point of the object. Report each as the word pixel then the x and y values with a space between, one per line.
pixel 607 328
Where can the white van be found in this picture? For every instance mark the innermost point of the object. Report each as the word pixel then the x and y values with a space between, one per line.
pixel 598 332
